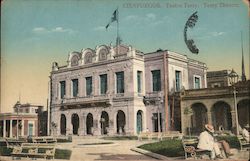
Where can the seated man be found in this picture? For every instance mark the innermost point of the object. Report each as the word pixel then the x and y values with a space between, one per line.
pixel 207 142
pixel 245 132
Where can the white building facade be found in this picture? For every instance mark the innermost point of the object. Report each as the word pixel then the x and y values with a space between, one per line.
pixel 107 90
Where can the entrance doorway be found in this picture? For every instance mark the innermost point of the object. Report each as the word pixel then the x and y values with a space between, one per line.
pixel 104 122
pixel 120 122
pixel 75 123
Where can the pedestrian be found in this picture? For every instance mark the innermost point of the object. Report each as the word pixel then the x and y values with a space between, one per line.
pixel 208 142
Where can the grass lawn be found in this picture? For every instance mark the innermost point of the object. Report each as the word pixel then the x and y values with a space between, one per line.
pixel 173 148
pixel 170 148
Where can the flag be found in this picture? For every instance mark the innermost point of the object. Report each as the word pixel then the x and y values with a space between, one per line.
pixel 113 18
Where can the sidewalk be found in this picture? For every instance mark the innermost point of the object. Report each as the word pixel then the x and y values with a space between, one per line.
pixel 93 148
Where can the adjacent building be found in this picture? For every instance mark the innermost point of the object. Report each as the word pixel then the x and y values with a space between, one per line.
pixel 22 122
pixel 216 106
pixel 218 78
pixel 120 90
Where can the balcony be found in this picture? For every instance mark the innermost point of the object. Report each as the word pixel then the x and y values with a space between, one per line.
pixel 84 100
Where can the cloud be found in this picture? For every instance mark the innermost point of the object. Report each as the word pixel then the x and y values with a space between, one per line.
pixel 43 30
pixel 150 16
pixel 40 30
pixel 215 34
pixel 208 35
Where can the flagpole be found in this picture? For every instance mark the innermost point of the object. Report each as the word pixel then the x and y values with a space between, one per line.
pixel 117 34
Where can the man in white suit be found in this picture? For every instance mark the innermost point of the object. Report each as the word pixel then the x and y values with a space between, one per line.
pixel 207 142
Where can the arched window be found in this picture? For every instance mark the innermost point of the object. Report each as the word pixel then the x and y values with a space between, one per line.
pixel 74 60
pixel 88 58
pixel 103 54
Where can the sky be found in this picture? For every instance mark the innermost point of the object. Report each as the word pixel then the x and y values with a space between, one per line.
pixel 36 33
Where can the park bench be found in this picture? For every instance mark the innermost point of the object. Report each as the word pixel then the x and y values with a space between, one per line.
pixel 171 134
pixel 11 143
pixel 143 135
pixel 44 139
pixel 191 152
pixel 34 150
pixel 244 145
pixel 160 136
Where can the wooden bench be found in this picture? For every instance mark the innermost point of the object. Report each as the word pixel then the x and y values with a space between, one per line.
pixel 34 150
pixel 244 145
pixel 11 143
pixel 160 136
pixel 191 152
pixel 143 135
pixel 44 139
pixel 171 134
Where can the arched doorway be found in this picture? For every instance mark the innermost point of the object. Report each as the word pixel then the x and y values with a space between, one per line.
pixel 199 118
pixel 243 112
pixel 139 126
pixel 63 124
pixel 104 122
pixel 120 122
pixel 221 116
pixel 75 123
pixel 89 124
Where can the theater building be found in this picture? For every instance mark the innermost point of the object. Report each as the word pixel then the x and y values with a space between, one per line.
pixel 110 90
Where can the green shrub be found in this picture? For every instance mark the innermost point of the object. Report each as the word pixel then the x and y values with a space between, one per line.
pixel 4 151
pixel 232 141
pixel 120 138
pixel 170 148
pixel 63 154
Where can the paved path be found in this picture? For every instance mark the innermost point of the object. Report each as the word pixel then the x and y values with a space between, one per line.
pixel 117 150
pixel 82 150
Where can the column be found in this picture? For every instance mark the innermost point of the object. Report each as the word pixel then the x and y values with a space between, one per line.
pixel 68 88
pixel 10 128
pixel 22 128
pixel 80 130
pixel 233 114
pixel 95 86
pixel 68 125
pixel 209 118
pixel 80 86
pixel 4 128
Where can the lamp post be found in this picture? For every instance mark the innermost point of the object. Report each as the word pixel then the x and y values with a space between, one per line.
pixel 17 110
pixel 160 101
pixel 233 79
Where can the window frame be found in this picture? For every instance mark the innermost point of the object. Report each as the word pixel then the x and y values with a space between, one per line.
pixel 89 93
pixel 106 83
pixel 156 86
pixel 122 90
pixel 77 89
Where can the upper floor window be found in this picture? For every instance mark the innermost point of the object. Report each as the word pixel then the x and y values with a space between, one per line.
pixel 88 86
pixel 103 83
pixel 139 81
pixel 62 89
pixel 156 77
pixel 120 82
pixel 177 80
pixel 197 83
pixel 75 87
